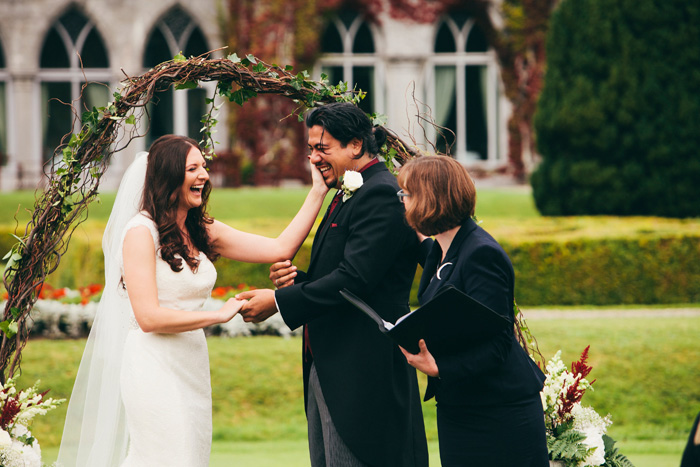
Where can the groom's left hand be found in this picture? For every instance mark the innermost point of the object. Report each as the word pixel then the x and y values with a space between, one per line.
pixel 260 306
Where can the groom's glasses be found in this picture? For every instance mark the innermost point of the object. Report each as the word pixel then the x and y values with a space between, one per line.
pixel 402 194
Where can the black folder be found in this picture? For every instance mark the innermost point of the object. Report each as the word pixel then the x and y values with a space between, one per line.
pixel 449 322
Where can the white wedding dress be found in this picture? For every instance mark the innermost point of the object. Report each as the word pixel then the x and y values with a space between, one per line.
pixel 165 380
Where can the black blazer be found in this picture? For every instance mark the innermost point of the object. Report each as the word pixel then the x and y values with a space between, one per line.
pixel 372 394
pixel 498 370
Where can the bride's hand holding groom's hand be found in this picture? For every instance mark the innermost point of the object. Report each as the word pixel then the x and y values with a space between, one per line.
pixel 260 305
pixel 261 302
pixel 230 309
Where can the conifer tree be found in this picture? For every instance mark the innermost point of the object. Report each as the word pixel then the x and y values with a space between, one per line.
pixel 618 122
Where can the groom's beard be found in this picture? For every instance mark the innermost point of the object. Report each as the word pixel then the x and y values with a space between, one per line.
pixel 332 182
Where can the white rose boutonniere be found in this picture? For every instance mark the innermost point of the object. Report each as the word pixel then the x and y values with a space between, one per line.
pixel 352 181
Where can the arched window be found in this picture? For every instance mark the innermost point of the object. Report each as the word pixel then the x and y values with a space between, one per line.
pixel 349 54
pixel 73 51
pixel 3 106
pixel 463 89
pixel 175 112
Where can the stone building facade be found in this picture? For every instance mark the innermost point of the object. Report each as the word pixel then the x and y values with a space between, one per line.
pixel 445 69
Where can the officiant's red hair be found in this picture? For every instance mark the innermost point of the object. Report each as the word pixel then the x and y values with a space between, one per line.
pixel 442 193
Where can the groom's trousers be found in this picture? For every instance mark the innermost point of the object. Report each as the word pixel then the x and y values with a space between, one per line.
pixel 326 447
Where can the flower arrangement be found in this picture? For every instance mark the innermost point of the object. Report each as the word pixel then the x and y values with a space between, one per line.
pixel 352 181
pixel 17 409
pixel 576 435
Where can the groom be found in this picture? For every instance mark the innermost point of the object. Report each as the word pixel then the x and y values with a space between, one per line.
pixel 361 397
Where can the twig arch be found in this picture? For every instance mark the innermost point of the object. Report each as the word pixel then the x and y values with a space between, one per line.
pixel 73 182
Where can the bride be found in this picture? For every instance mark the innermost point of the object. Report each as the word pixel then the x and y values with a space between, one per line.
pixel 142 396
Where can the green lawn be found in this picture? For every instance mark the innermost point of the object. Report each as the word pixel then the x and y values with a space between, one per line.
pixel 646 370
pixel 274 203
pixel 507 213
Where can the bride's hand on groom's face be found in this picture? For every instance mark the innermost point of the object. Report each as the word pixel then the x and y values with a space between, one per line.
pixel 317 180
pixel 260 305
pixel 282 274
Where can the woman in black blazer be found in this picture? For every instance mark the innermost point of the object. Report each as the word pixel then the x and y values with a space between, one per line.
pixel 489 410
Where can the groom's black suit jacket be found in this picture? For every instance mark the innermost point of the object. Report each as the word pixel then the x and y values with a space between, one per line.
pixel 364 245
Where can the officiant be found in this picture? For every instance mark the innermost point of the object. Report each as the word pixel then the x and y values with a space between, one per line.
pixel 489 410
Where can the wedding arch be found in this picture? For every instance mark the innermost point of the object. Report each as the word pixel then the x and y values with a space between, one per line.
pixel 83 157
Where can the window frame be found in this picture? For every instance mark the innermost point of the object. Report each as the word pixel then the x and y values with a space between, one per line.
pixel 347 59
pixel 74 75
pixel 180 124
pixel 460 59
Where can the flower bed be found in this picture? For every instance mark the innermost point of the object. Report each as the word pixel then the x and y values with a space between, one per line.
pixel 62 313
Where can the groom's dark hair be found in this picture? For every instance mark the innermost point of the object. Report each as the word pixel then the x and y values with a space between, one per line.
pixel 345 122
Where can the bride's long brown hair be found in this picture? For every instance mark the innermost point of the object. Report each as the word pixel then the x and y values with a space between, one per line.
pixel 165 174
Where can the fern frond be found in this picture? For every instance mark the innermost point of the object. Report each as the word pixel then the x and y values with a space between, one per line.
pixel 568 447
pixel 613 457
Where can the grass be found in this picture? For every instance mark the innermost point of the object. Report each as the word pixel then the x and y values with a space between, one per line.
pixel 646 370
pixel 271 203
pixel 507 213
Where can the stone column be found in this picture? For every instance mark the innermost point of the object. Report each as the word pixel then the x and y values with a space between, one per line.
pixel 406 56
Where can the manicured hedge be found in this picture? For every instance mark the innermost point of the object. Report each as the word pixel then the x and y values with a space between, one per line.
pixel 607 271
pixel 637 269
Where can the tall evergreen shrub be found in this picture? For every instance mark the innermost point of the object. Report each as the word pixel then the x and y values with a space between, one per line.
pixel 618 121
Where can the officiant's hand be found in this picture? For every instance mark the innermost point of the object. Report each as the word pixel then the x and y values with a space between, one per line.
pixel 422 361
pixel 260 305
pixel 282 274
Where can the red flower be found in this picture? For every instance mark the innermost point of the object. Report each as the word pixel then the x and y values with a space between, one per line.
pixel 58 293
pixel 574 393
pixel 219 292
pixel 86 293
pixel 43 290
pixel 581 367
pixel 9 412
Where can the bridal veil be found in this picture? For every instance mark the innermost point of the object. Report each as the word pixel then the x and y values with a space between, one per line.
pixel 95 433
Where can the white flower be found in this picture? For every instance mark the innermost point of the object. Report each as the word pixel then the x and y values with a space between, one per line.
pixel 20 430
pixel 594 439
pixel 352 181
pixel 586 418
pixel 5 439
